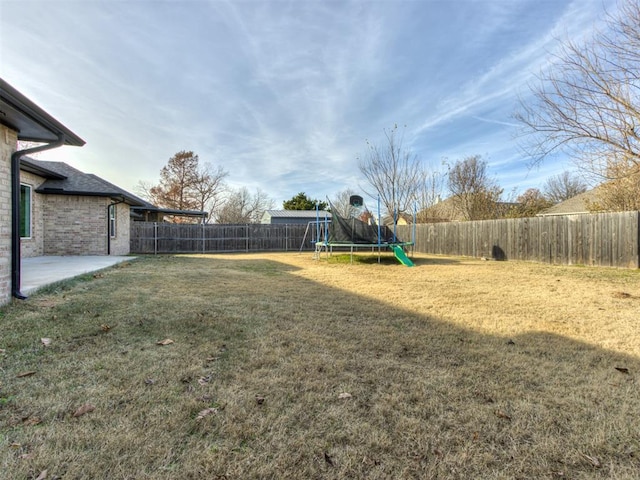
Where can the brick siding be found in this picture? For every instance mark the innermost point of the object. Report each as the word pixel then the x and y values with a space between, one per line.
pixel 8 142
pixel 120 245
pixel 75 225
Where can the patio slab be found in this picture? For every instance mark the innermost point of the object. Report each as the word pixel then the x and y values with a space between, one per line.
pixel 36 272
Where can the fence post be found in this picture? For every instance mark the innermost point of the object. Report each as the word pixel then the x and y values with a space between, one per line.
pixel 155 238
pixel 203 249
pixel 247 238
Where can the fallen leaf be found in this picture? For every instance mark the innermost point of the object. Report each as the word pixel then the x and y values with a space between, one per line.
pixel 2 351
pixel 344 395
pixel 105 328
pixel 622 295
pixel 98 275
pixel 15 445
pixel 46 341
pixel 26 374
pixel 328 459
pixel 205 413
pixel 593 460
pixel 622 369
pixel 501 414
pixel 204 380
pixel 42 476
pixel 86 408
pixel 166 341
pixel 149 381
pixel 31 421
pixel 259 399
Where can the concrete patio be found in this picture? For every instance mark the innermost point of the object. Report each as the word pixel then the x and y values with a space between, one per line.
pixel 37 272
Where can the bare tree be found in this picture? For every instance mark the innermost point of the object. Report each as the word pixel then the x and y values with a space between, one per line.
pixel 588 103
pixel 241 206
pixel 430 190
pixel 563 186
pixel 186 185
pixel 393 173
pixel 529 204
pixel 341 204
pixel 475 195
pixel 208 188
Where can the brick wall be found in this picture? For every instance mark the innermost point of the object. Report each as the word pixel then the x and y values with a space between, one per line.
pixel 8 142
pixel 75 225
pixel 120 245
pixel 33 246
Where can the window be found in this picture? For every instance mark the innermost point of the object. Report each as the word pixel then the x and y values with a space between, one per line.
pixel 25 211
pixel 112 221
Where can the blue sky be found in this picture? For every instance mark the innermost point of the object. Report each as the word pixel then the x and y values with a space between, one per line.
pixel 284 94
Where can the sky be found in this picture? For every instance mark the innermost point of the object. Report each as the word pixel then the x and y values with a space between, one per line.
pixel 284 95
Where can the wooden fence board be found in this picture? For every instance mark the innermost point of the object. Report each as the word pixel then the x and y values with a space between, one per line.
pixel 603 239
pixel 150 238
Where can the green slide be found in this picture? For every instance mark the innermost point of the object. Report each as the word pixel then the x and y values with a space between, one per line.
pixel 401 256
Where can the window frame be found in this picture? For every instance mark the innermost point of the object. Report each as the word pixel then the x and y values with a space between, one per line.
pixel 26 214
pixel 113 224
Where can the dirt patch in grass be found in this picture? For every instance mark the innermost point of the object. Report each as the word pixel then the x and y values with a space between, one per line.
pixel 285 367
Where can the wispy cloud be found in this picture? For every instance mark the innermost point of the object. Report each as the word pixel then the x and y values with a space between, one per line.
pixel 282 94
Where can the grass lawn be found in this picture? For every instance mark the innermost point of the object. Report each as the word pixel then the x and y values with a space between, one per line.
pixel 279 366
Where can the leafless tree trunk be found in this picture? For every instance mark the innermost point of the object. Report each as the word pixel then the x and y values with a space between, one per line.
pixel 475 195
pixel 208 189
pixel 243 207
pixel 393 173
pixel 430 191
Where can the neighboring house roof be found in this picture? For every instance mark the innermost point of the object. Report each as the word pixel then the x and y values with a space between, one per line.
pixel 147 207
pixel 573 206
pixel 63 179
pixel 447 211
pixel 30 121
pixel 402 219
pixel 296 214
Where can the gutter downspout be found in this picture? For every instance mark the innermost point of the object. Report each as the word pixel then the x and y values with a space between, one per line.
pixel 109 224
pixel 15 210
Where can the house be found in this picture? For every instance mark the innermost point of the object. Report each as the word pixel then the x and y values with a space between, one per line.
pixel 20 119
pixel 447 210
pixel 68 212
pixel 282 217
pixel 577 205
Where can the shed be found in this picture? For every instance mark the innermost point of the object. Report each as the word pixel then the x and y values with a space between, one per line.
pixel 302 217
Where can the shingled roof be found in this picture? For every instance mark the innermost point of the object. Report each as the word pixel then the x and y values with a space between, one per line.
pixel 574 205
pixel 297 214
pixel 63 179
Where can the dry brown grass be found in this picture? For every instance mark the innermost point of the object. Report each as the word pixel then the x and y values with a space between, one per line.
pixel 454 369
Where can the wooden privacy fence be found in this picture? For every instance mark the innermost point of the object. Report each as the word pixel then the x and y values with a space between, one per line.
pixel 152 237
pixel 604 239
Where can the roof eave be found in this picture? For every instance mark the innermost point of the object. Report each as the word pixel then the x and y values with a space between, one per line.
pixel 23 114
